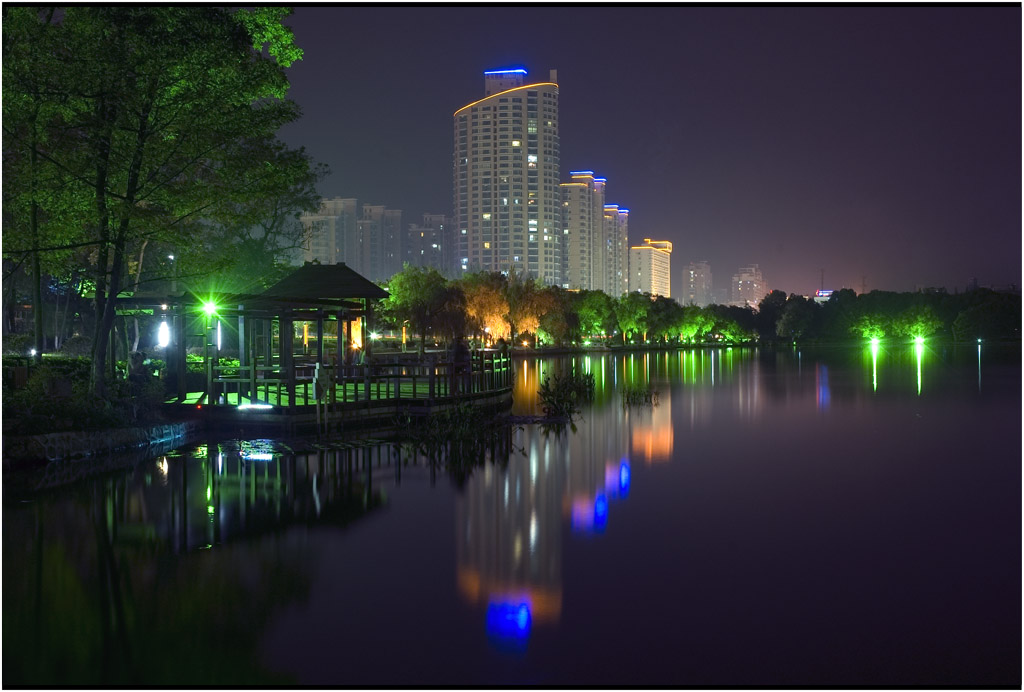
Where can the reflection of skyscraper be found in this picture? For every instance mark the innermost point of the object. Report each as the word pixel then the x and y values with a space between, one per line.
pixel 652 432
pixel 508 548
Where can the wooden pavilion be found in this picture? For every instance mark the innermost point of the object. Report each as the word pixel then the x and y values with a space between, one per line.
pixel 304 356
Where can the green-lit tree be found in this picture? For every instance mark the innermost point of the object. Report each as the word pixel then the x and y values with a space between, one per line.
pixel 419 296
pixel 596 312
pixel 165 107
pixel 918 321
pixel 631 311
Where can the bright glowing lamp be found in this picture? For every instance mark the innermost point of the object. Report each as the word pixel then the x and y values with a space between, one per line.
pixel 919 340
pixel 874 342
pixel 210 308
pixel 163 335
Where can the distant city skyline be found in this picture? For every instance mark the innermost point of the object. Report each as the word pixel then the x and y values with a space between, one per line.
pixel 879 145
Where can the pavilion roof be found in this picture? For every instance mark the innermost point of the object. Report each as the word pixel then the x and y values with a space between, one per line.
pixel 313 283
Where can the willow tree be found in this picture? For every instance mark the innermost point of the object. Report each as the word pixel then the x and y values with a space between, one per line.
pixel 164 107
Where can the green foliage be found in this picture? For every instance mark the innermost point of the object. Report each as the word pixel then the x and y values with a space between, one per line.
pixel 18 344
pixel 423 297
pixel 917 321
pixel 596 313
pixel 631 313
pixel 562 395
pixel 870 326
pixel 997 316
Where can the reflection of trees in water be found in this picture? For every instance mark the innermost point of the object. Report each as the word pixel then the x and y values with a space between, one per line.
pixel 152 577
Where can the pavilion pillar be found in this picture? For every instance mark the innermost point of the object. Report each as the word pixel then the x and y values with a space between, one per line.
pixel 320 338
pixel 287 344
pixel 243 355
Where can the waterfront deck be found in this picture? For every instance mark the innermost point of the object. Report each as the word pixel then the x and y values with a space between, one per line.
pixel 313 394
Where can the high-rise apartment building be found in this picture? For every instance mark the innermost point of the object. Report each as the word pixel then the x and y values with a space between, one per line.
pixel 583 231
pixel 428 244
pixel 616 243
pixel 748 287
pixel 507 203
pixel 380 242
pixel 649 268
pixel 697 284
pixel 332 233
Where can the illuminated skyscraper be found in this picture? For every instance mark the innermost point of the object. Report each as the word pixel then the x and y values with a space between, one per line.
pixel 649 267
pixel 583 230
pixel 507 204
pixel 697 284
pixel 616 243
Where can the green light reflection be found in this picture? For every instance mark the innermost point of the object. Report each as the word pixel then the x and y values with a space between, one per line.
pixel 919 351
pixel 874 365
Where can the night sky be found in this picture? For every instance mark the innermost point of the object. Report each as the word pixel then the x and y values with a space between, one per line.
pixel 879 144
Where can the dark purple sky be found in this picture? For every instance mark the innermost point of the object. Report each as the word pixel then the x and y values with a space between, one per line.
pixel 881 144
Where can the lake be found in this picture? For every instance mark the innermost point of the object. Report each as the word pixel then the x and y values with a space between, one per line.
pixel 788 518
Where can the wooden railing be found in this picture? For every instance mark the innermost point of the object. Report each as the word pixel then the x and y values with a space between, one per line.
pixel 389 378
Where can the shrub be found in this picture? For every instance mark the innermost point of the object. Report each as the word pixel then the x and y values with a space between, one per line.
pixel 18 344
pixel 561 395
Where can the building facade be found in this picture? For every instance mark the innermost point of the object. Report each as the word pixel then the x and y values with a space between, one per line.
pixel 583 231
pixel 507 202
pixel 380 242
pixel 332 234
pixel 428 244
pixel 748 287
pixel 697 284
pixel 650 268
pixel 616 247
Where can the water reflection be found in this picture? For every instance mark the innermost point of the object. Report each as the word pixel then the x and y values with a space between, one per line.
pixel 115 583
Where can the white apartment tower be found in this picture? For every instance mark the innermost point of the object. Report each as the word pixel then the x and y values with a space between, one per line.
pixel 507 204
pixel 583 231
pixel 649 268
pixel 697 290
pixel 616 244
pixel 748 287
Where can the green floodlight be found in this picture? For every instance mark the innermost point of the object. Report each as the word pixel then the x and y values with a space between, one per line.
pixel 210 308
pixel 875 342
pixel 918 339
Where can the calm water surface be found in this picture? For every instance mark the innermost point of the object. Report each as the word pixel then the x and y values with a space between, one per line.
pixel 795 518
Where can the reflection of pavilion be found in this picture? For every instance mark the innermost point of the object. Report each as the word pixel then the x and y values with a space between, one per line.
pixel 240 489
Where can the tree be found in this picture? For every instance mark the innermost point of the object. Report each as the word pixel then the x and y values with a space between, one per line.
pixel 486 306
pixel 917 322
pixel 796 318
pixel 558 322
pixel 525 304
pixel 420 296
pixel 769 310
pixel 631 311
pixel 164 108
pixel 596 313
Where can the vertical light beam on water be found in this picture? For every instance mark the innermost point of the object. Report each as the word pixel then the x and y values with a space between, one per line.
pixel 874 365
pixel 979 365
pixel 919 351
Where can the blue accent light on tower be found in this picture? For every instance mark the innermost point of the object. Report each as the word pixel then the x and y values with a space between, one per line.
pixel 510 70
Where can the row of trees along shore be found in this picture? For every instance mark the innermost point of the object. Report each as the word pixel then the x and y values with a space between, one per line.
pixel 140 146
pixel 511 307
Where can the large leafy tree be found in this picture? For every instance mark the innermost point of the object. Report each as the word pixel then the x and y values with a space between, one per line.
pixel 163 114
pixel 421 297
pixel 486 305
